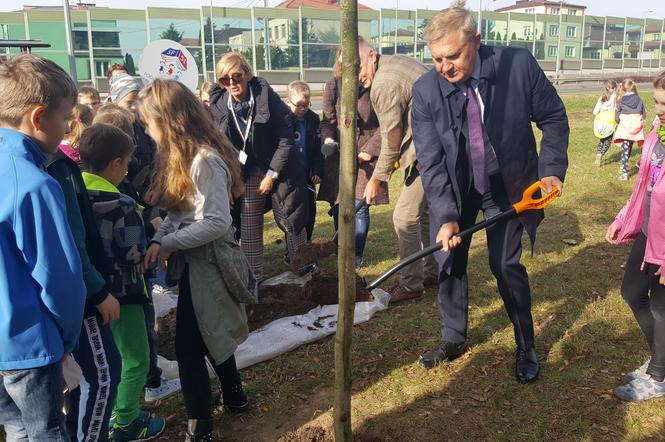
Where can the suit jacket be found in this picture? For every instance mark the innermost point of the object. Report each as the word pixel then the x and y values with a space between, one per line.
pixel 516 93
pixel 391 98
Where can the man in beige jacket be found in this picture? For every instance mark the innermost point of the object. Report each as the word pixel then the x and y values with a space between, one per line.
pixel 391 78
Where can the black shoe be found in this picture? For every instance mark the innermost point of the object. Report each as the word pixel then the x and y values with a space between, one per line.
pixel 444 351
pixel 199 430
pixel 234 398
pixel 527 366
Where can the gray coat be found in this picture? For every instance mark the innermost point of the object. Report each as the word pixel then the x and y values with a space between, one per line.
pixel 203 239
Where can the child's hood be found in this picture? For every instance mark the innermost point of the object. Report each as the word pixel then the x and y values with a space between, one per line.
pixel 632 101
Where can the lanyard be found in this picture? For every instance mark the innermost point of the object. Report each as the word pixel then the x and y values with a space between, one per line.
pixel 248 121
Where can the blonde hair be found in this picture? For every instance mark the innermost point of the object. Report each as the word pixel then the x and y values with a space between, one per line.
pixel 659 82
pixel 116 116
pixel 451 20
pixel 29 80
pixel 82 117
pixel 337 67
pixel 627 85
pixel 231 60
pixel 298 88
pixel 610 88
pixel 206 88
pixel 185 127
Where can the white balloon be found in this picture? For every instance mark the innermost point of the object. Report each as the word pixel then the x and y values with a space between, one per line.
pixel 169 60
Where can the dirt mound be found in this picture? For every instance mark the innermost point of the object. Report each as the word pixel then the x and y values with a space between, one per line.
pixel 308 434
pixel 274 302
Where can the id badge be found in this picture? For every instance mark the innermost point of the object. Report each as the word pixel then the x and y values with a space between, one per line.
pixel 242 156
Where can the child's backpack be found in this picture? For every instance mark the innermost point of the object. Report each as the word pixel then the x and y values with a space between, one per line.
pixel 604 124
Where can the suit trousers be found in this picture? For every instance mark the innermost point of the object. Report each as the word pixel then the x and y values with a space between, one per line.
pixel 504 242
pixel 411 222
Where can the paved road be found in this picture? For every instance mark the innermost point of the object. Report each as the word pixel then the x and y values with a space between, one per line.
pixel 591 87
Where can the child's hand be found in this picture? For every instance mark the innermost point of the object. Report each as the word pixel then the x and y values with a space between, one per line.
pixel 156 222
pixel 661 272
pixel 151 256
pixel 316 179
pixel 612 233
pixel 109 308
pixel 364 156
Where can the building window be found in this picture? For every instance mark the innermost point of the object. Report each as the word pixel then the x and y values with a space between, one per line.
pixel 283 31
pixel 554 30
pixel 527 32
pixel 102 68
pixel 571 31
pixel 530 10
pixel 570 51
pixel 656 37
pixel 554 11
pixel 552 51
pixel 572 12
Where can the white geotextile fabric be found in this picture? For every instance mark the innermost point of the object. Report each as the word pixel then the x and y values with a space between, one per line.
pixel 281 335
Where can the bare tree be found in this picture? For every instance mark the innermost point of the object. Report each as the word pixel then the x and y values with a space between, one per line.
pixel 346 253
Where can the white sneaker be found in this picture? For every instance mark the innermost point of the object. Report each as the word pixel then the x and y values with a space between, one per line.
pixel 640 372
pixel 167 388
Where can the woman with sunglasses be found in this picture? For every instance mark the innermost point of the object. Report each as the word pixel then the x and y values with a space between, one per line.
pixel 260 126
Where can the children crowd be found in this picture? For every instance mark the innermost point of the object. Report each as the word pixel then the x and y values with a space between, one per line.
pixel 99 196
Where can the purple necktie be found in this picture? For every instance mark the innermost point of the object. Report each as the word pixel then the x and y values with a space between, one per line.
pixel 476 139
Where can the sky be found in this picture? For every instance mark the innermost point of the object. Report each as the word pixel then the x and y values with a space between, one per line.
pixel 618 8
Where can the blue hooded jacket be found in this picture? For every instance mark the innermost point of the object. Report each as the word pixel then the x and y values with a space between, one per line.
pixel 42 294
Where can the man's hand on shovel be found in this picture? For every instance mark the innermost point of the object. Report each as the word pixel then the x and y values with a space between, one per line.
pixel 447 236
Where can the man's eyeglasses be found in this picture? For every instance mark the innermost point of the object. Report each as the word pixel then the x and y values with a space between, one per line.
pixel 236 77
pixel 303 105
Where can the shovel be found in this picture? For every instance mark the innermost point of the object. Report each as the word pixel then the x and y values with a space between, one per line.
pixel 526 203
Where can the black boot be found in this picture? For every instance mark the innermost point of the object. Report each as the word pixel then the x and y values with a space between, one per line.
pixel 199 430
pixel 234 396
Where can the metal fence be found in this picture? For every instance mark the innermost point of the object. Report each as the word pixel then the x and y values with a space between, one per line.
pixel 288 44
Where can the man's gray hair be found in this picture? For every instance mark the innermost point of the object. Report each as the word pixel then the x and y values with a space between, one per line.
pixel 452 20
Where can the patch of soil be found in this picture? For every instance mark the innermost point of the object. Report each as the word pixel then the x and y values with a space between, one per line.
pixel 274 303
pixel 308 434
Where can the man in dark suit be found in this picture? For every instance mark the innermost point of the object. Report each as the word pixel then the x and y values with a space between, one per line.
pixel 471 121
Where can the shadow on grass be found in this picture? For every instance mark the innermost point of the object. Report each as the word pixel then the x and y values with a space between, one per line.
pixel 571 401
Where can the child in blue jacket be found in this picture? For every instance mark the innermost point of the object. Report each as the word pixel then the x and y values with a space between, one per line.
pixel 42 294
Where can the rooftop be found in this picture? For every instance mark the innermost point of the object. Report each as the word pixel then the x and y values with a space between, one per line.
pixel 316 4
pixel 520 4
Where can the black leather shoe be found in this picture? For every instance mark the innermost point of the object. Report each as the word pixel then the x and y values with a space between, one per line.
pixel 527 366
pixel 444 351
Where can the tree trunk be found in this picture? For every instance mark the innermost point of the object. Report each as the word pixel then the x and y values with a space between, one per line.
pixel 347 225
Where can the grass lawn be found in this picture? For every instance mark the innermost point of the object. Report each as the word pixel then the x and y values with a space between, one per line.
pixel 586 337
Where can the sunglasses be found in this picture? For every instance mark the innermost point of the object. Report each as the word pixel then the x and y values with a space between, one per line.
pixel 236 77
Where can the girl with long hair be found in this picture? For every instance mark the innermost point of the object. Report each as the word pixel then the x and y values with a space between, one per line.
pixel 643 287
pixel 197 173
pixel 82 116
